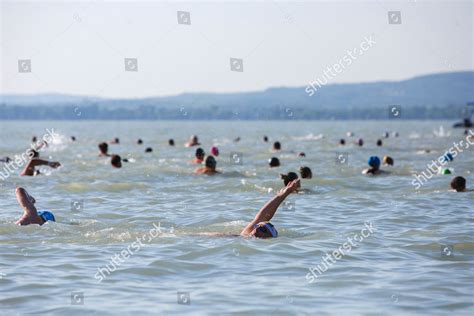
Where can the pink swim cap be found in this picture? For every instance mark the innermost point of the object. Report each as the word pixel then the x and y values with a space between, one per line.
pixel 214 151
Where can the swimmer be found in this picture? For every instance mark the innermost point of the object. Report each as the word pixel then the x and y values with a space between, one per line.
pixel 199 156
pixel 276 146
pixel 387 160
pixel 342 142
pixel 379 142
pixel 116 161
pixel 260 226
pixel 34 139
pixel 386 134
pixel 115 141
pixel 35 161
pixel 73 138
pixel 30 214
pixel 459 185
pixel 214 151
pixel 301 154
pixel 149 150
pixel 287 178
pixel 274 162
pixel 350 134
pixel 5 159
pixel 103 150
pixel 193 141
pixel 448 157
pixel 237 139
pixel 374 163
pixel 360 142
pixel 139 141
pixel 171 142
pixel 210 167
pixel 265 138
pixel 306 173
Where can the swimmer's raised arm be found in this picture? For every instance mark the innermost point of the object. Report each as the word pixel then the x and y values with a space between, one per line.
pixel 30 166
pixel 267 212
pixel 27 202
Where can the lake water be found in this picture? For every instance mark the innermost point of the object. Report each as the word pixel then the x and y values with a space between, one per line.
pixel 418 259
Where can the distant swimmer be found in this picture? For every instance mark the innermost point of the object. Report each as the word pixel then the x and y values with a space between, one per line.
pixel 209 168
pixel 374 163
pixel 386 134
pixel 116 161
pixel 30 214
pixel 5 159
pixel 215 151
pixel 276 146
pixel 193 141
pixel 260 226
pixel 379 142
pixel 236 140
pixel 459 185
pixel 115 141
pixel 34 139
pixel 73 138
pixel 139 141
pixel 35 161
pixel 360 142
pixel 387 160
pixel 103 150
pixel 199 156
pixel 306 173
pixel 149 150
pixel 265 138
pixel 171 142
pixel 301 154
pixel 274 162
pixel 350 134
pixel 342 142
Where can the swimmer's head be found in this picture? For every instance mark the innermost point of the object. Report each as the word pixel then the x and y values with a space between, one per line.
pixel 116 140
pixel 274 162
pixel 171 142
pixel 448 157
pixel 458 184
pixel 387 160
pixel 116 161
pixel 374 162
pixel 264 230
pixel 301 154
pixel 211 162
pixel 46 216
pixel 265 138
pixel 194 139
pixel 215 151
pixel 379 142
pixel 139 141
pixel 287 178
pixel 276 146
pixel 103 148
pixel 34 139
pixel 386 134
pixel 73 138
pixel 360 142
pixel 342 141
pixel 306 173
pixel 200 153
pixel 149 150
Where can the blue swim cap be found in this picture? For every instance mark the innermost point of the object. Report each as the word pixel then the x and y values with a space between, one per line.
pixel 448 157
pixel 46 216
pixel 374 161
pixel 267 227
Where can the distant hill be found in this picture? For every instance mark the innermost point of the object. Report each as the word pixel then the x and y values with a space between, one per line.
pixel 442 95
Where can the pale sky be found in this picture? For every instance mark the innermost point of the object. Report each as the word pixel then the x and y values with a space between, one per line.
pixel 79 47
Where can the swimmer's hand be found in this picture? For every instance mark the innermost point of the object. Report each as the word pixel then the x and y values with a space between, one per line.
pixel 54 164
pixel 291 187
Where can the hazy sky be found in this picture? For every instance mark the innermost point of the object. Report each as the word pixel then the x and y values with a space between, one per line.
pixel 79 48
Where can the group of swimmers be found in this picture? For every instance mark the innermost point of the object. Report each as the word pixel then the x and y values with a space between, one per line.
pixel 259 227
